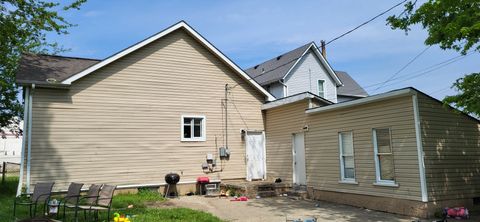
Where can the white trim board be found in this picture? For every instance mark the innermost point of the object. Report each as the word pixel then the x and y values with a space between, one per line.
pixel 291 99
pixel 366 100
pixel 322 60
pixel 193 33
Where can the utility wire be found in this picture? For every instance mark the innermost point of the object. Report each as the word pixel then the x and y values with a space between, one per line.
pixel 350 31
pixel 403 68
pixel 340 36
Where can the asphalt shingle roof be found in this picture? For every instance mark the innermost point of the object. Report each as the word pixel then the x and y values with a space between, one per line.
pixel 37 68
pixel 275 69
pixel 350 86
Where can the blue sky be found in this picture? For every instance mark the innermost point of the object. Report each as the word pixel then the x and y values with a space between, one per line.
pixel 250 32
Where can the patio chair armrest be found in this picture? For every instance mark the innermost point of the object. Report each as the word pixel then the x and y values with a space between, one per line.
pixel 65 199
pixel 85 197
pixel 41 195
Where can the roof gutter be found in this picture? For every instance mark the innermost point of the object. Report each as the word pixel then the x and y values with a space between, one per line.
pixel 362 101
pixel 29 140
pixel 26 103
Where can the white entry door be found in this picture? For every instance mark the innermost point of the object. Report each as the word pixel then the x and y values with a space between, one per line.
pixel 299 170
pixel 255 155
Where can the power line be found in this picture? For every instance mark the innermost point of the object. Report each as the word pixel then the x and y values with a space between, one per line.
pixel 350 31
pixel 403 68
pixel 346 33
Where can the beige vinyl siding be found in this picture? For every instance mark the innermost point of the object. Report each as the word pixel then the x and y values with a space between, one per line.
pixel 451 142
pixel 281 123
pixel 322 149
pixel 121 124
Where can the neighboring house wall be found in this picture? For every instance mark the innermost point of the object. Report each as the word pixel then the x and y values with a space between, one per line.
pixel 451 143
pixel 305 75
pixel 322 148
pixel 10 148
pixel 121 124
pixel 276 89
pixel 280 125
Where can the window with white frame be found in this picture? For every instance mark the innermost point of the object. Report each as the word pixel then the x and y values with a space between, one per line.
pixel 321 88
pixel 193 128
pixel 384 164
pixel 347 159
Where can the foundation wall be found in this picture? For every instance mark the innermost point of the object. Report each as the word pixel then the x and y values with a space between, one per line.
pixel 391 205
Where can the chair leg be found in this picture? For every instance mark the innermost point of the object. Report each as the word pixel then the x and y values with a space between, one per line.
pixel 30 207
pixel 108 214
pixel 35 210
pixel 14 209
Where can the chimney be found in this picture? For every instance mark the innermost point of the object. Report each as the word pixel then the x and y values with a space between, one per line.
pixel 324 52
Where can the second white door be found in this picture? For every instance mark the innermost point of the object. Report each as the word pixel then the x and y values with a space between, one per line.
pixel 299 169
pixel 255 155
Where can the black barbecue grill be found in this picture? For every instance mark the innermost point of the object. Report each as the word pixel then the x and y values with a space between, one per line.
pixel 171 179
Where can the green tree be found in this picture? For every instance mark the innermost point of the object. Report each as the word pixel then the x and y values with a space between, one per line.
pixel 24 25
pixel 451 24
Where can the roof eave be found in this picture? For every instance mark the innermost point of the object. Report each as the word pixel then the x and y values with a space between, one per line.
pixel 324 62
pixel 42 84
pixel 366 100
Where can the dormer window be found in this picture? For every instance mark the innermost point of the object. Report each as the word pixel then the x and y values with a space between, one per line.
pixel 321 88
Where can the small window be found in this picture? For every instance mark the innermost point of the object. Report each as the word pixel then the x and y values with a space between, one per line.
pixel 321 88
pixel 193 128
pixel 384 164
pixel 347 159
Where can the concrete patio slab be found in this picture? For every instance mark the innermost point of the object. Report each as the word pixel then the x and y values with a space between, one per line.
pixel 283 209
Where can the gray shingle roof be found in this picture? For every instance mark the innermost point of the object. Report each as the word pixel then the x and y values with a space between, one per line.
pixel 350 86
pixel 37 68
pixel 275 69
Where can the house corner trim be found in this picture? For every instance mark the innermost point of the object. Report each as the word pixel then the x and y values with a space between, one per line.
pixel 420 153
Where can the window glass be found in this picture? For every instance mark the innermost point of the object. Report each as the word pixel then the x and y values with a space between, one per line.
pixel 384 157
pixel 347 158
pixel 321 90
pixel 193 128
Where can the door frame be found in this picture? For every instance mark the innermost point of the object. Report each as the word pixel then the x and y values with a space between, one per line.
pixel 293 158
pixel 264 154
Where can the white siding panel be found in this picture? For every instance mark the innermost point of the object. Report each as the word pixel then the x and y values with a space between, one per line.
pixel 304 77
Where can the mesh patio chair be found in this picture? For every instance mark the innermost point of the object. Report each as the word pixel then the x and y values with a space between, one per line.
pixel 70 200
pixel 87 200
pixel 41 194
pixel 103 203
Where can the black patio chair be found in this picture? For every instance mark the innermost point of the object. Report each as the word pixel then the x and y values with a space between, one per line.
pixel 41 194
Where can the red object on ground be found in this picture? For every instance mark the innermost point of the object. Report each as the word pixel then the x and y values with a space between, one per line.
pixel 242 198
pixel 203 180
pixel 457 212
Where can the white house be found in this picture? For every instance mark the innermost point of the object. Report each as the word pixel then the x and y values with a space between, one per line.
pixel 11 143
pixel 305 69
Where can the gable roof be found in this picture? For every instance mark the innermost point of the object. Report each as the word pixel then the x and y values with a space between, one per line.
pixel 350 86
pixel 37 68
pixel 278 68
pixel 77 74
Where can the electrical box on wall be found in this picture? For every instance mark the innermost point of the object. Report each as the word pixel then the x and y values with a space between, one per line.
pixel 223 152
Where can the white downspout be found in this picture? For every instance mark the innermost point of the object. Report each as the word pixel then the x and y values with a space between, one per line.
pixel 420 153
pixel 29 141
pixel 24 137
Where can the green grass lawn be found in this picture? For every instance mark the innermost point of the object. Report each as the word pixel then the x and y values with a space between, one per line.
pixel 142 210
